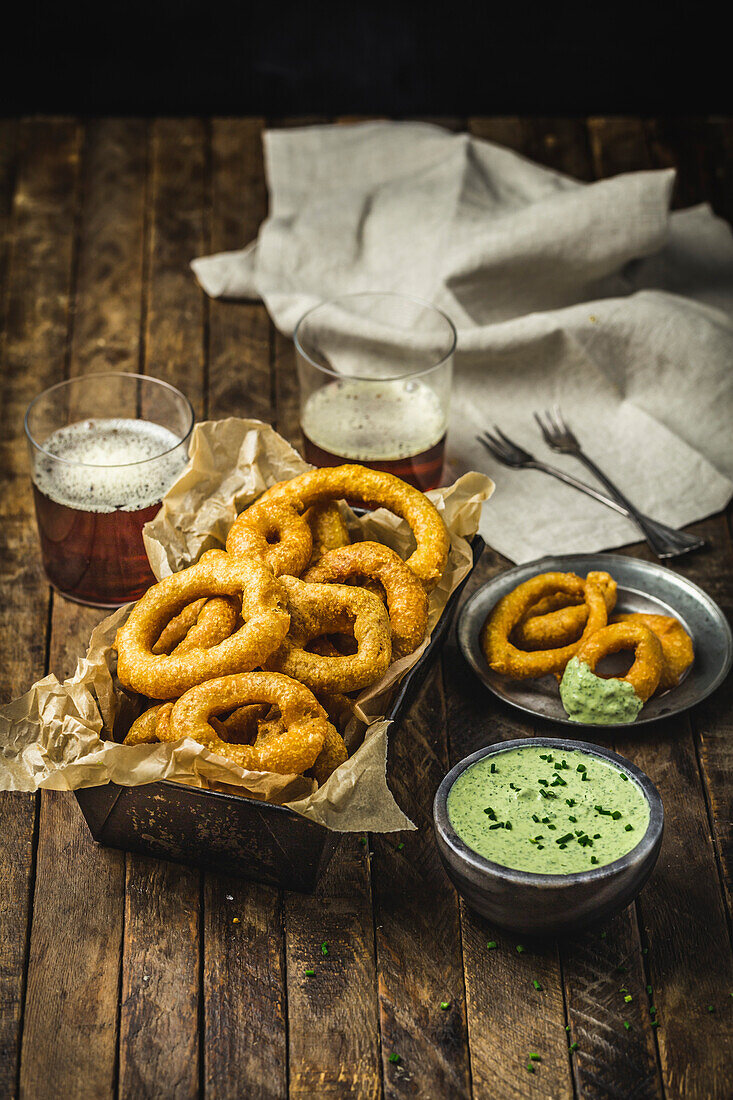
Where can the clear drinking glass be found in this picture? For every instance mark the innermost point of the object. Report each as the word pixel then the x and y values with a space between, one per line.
pixel 375 375
pixel 104 448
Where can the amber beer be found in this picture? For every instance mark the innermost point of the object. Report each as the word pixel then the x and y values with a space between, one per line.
pixel 398 426
pixel 95 485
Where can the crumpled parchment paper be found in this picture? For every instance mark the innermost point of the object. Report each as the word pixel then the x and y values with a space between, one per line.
pixel 63 736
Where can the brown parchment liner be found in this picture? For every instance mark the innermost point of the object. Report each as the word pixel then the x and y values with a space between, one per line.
pixel 59 735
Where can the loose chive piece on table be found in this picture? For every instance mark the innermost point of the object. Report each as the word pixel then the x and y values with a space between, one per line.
pixel 400 846
pixel 534 1057
pixel 711 1008
pixel 573 1046
pixel 444 1005
pixel 309 973
pixel 394 1059
pixel 491 944
pixel 628 998
pixel 530 1068
pixel 649 990
pixel 520 948
pixel 538 986
pixel 627 1025
pixel 324 948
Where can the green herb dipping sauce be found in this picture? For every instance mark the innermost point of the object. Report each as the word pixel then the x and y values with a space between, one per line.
pixel 551 811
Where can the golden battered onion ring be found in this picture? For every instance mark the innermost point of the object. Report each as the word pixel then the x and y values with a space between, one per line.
pixel 317 609
pixel 275 532
pixel 677 648
pixel 214 621
pixel 518 664
pixel 328 530
pixel 356 485
pixel 558 620
pixel 144 730
pixel 162 676
pixel 304 739
pixel 407 601
pixel 646 671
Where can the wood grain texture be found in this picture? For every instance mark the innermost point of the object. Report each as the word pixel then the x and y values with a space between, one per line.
pixel 39 169
pixel 419 962
pixel 244 1041
pixel 239 337
pixel 175 317
pixel 332 1015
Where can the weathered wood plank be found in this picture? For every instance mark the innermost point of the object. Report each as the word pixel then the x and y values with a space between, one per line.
pixel 562 144
pixel 69 959
pixel 176 310
pixel 504 130
pixel 419 964
pixel 161 965
pixel 239 339
pixel 39 179
pixel 245 1002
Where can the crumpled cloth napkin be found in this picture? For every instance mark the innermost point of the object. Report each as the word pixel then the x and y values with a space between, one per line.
pixel 590 296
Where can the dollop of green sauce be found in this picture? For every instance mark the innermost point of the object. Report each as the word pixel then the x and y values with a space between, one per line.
pixel 594 701
pixel 551 811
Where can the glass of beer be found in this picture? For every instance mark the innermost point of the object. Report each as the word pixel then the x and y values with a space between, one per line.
pixel 104 448
pixel 375 375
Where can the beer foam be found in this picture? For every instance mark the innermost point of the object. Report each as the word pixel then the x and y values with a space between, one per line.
pixel 109 465
pixel 363 421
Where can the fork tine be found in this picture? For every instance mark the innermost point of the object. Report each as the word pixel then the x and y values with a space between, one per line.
pixel 561 419
pixel 491 443
pixel 509 442
pixel 541 426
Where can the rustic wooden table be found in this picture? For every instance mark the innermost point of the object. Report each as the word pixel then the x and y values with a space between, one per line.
pixel 121 976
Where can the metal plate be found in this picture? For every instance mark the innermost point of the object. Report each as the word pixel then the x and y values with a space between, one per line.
pixel 642 586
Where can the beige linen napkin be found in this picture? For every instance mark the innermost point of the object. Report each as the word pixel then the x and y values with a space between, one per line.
pixel 590 296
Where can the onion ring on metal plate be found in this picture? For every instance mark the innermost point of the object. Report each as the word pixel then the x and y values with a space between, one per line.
pixel 677 647
pixel 356 485
pixel 303 739
pixel 407 601
pixel 162 676
pixel 317 609
pixel 551 623
pixel 646 671
pixel 518 664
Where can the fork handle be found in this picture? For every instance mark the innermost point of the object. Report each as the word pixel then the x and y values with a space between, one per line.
pixel 662 543
pixel 677 542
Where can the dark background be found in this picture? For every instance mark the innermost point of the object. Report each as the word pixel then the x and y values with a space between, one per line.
pixel 283 58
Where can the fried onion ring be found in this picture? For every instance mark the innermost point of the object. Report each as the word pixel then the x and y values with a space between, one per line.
pixel 559 619
pixel 504 657
pixel 407 601
pixel 162 676
pixel 303 739
pixel 677 648
pixel 210 622
pixel 317 609
pixel 646 671
pixel 356 485
pixel 328 530
pixel 144 730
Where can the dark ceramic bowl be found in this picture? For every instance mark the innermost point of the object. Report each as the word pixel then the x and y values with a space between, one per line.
pixel 535 904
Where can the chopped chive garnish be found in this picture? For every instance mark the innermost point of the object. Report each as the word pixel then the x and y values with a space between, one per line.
pixel 507 824
pixel 711 1008
pixel 537 985
pixel 558 767
pixel 547 794
pixel 520 948
pixel 581 768
pixel 655 1023
pixel 628 828
pixel 394 1059
pixel 616 815
pixel 593 859
pixel 324 948
pixel 540 847
pixel 400 846
pixel 491 944
pixel 530 1068
pixel 603 935
pixel 444 1005
pixel 645 951
pixel 628 998
pixel 567 1027
pixel 553 827
pixel 649 990
pixel 497 825
pixel 570 801
pixel 493 769
pixel 534 1057
pixel 573 1046
pixel 624 777
pixel 573 819
pixel 542 782
pixel 309 973
pixel 596 836
pixel 565 839
pixel 514 787
pixel 652 1010
pixel 363 841
pixel 627 1025
pixel 585 777
pixel 535 818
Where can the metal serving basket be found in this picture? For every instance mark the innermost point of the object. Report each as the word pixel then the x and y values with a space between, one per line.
pixel 233 833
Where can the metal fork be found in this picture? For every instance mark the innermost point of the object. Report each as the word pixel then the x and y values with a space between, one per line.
pixel 511 454
pixel 666 542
